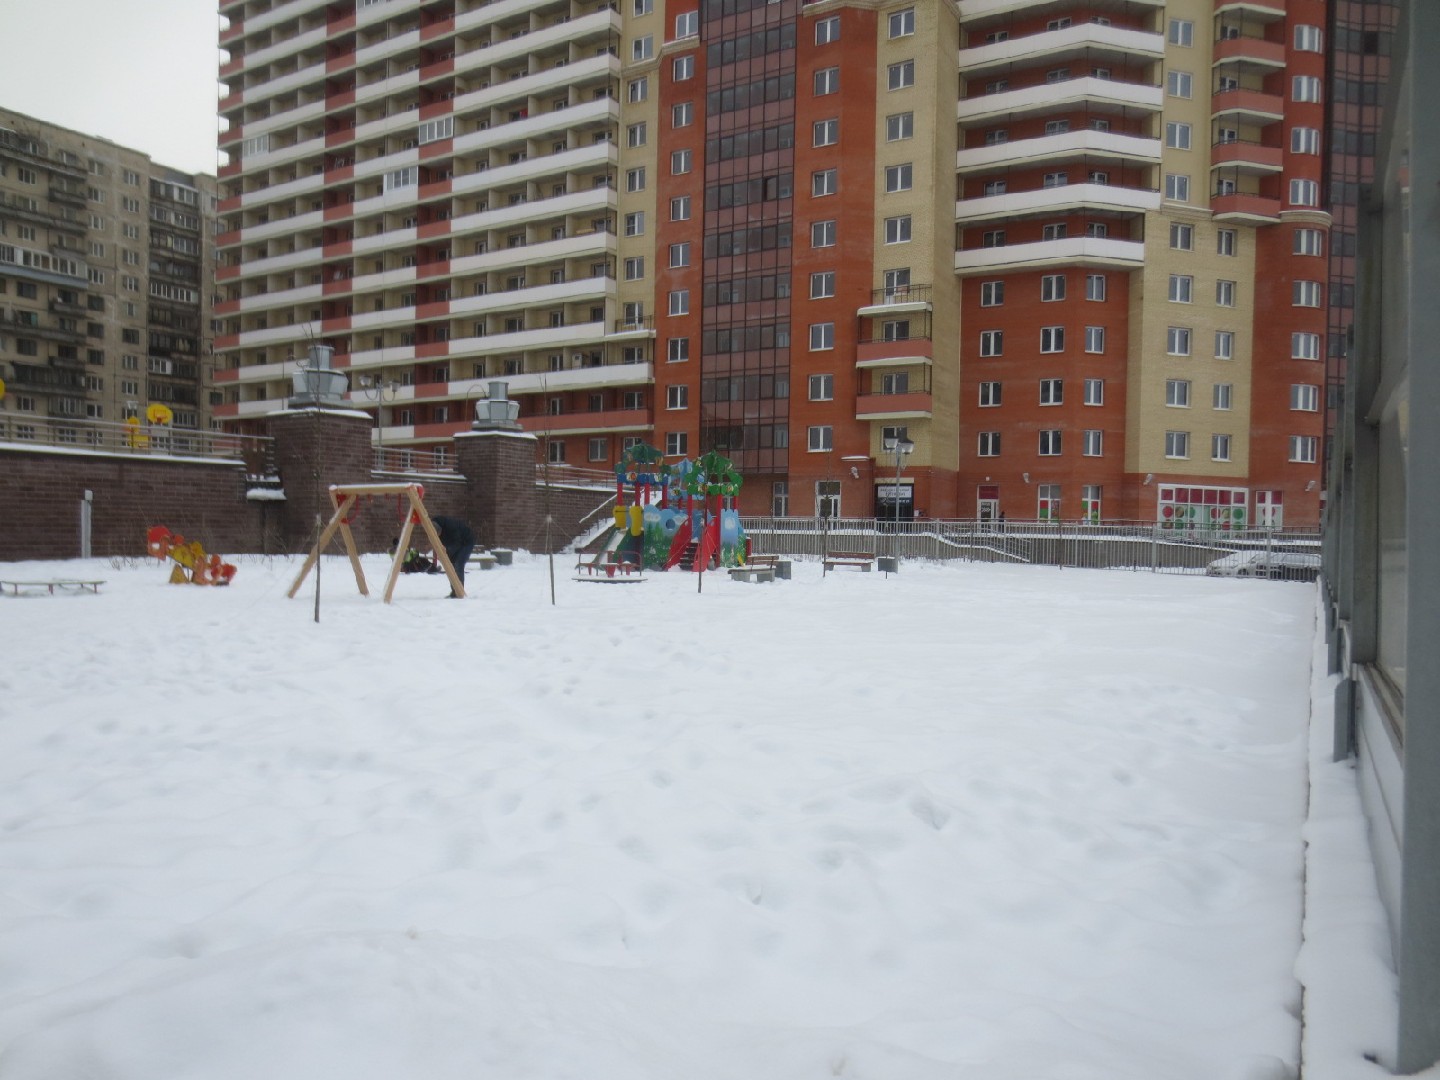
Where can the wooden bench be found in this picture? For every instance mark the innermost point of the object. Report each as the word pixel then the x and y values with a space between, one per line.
pixel 484 560
pixel 861 560
pixel 608 571
pixel 50 586
pixel 752 572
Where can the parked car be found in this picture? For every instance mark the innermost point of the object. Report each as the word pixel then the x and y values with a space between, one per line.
pixel 1276 565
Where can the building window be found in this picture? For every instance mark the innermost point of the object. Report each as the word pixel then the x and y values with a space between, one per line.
pixel 1177 187
pixel 1177 393
pixel 599 449
pixel 998 137
pixel 683 68
pixel 995 187
pixel 1304 346
pixel 822 284
pixel 634 268
pixel 1094 443
pixel 638 90
pixel 826 132
pixel 683 114
pixel 1055 231
pixel 1225 242
pixel 1225 293
pixel 1052 339
pixel 822 234
pixel 827 81
pixel 1304 398
pixel 899 126
pixel 1052 391
pixel 1219 447
pixel 1303 448
pixel 635 179
pixel 989 444
pixel 1050 443
pixel 901 75
pixel 680 162
pixel 1221 395
pixel 1177 135
pixel 1095 287
pixel 1304 140
pixel 822 336
pixel 992 293
pixel 897 229
pixel 899 177
pixel 1056 127
pixel 827 30
pixel 990 395
pixel 1305 88
pixel 680 302
pixel 1181 32
pixel 635 223
pixel 680 254
pixel 1177 444
pixel 635 135
pixel 1177 341
pixel 992 342
pixel 822 387
pixel 1305 294
pixel 677 443
pixel 1094 339
pixel 680 208
pixel 1094 391
pixel 687 24
pixel 642 48
pixel 1182 287
pixel 1055 179
pixel 1309 242
pixel 992 238
pixel 677 397
pixel 1224 345
pixel 1052 287
pixel 1178 84
pixel 824 182
pixel 1182 237
pixel 1304 193
pixel 902 23
pixel 819 438
pixel 556 455
pixel 678 350
pixel 1308 39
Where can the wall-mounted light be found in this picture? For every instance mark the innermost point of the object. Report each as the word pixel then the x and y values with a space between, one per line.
pixel 854 472
pixel 1310 485
pixel 1149 478
pixel 1025 477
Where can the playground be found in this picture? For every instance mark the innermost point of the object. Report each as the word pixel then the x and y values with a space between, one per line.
pixel 969 821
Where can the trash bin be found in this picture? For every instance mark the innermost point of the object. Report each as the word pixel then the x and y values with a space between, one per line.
pixel 890 564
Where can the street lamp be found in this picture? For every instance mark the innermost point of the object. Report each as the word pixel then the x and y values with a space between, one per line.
pixel 901 447
pixel 380 392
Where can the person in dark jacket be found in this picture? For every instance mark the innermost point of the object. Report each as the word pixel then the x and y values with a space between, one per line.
pixel 458 542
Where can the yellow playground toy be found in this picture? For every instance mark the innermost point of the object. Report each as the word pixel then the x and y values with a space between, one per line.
pixel 192 566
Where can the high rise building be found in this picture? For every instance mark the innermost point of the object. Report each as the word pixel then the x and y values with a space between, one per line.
pixel 105 263
pixel 1071 253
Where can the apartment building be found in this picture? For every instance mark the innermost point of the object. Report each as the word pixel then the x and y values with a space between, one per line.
pixel 1068 256
pixel 105 264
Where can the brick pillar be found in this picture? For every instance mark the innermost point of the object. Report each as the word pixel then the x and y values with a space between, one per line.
pixel 499 471
pixel 315 448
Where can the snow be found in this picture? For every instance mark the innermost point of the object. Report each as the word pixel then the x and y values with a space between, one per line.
pixel 1008 823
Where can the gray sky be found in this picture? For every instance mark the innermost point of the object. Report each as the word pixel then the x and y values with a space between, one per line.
pixel 141 73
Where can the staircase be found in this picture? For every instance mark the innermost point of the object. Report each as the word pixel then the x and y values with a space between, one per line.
pixel 687 557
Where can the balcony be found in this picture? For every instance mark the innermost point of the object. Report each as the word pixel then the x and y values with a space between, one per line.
pixel 1264 11
pixel 1245 208
pixel 897 298
pixel 1097 95
pixel 1254 52
pixel 894 352
pixel 1048 202
pixel 917 405
pixel 1067 146
pixel 1247 107
pixel 1246 157
pixel 1091 41
pixel 585 423
pixel 1072 251
pixel 642 327
pixel 978 10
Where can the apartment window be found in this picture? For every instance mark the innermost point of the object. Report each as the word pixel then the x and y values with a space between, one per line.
pixel 827 81
pixel 992 293
pixel 642 7
pixel 1055 179
pixel 1177 135
pixel 1094 339
pixel 1177 341
pixel 827 30
pixel 899 177
pixel 1304 398
pixel 1178 84
pixel 1177 187
pixel 897 229
pixel 992 238
pixel 1052 339
pixel 820 438
pixel 677 397
pixel 900 126
pixel 995 187
pixel 1052 287
pixel 989 395
pixel 680 302
pixel 1304 140
pixel 635 268
pixel 1050 443
pixel 683 114
pixel 1056 127
pixel 822 387
pixel 635 223
pixel 1304 346
pixel 1099 123
pixel 1094 391
pixel 822 284
pixel 1095 287
pixel 680 254
pixel 1219 447
pixel 1308 39
pixel 1309 242
pixel 989 444
pixel 998 137
pixel 1057 75
pixel 822 336
pixel 639 89
pixel 901 75
pixel 1094 443
pixel 680 162
pixel 599 448
pixel 635 135
pixel 1304 193
pixel 678 350
pixel 1177 393
pixel 1177 444
pixel 1055 231
pixel 677 443
pixel 1225 293
pixel 680 208
pixel 1095 176
pixel 557 452
pixel 1303 448
pixel 1305 294
pixel 824 182
pixel 687 24
pixel 635 179
pixel 822 234
pixel 1225 243
pixel 1182 287
pixel 1181 32
pixel 902 23
pixel 683 68
pixel 1224 345
pixel 1221 396
pixel 642 48
pixel 1052 391
pixel 992 342
pixel 1305 88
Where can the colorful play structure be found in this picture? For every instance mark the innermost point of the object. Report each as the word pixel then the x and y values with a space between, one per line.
pixel 190 563
pixel 669 515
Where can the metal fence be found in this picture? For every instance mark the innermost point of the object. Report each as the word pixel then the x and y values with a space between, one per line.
pixel 159 440
pixel 1269 553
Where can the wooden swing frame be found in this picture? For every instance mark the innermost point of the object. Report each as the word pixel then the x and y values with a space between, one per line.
pixel 344 498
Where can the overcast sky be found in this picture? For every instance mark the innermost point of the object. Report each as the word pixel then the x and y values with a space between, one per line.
pixel 141 73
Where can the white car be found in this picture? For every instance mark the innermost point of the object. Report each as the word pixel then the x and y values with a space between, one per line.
pixel 1276 565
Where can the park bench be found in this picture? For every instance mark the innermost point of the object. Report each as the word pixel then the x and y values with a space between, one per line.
pixel 50 586
pixel 751 571
pixel 860 560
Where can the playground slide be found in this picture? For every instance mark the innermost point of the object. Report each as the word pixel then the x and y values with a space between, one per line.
pixel 192 565
pixel 709 545
pixel 613 540
pixel 679 544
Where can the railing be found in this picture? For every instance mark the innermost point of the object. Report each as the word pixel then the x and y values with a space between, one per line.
pixel 1271 553
pixel 151 440
pixel 901 294
pixel 627 326
pixel 409 461
pixel 569 476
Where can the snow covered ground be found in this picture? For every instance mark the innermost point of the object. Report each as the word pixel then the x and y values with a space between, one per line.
pixel 963 822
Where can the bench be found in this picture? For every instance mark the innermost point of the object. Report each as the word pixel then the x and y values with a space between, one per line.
pixel 49 586
pixel 751 572
pixel 609 571
pixel 484 560
pixel 861 560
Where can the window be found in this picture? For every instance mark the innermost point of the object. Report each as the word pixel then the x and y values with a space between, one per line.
pixel 822 387
pixel 1094 445
pixel 995 187
pixel 899 177
pixel 997 137
pixel 827 81
pixel 1177 444
pixel 1050 442
pixel 1177 393
pixel 599 449
pixel 1177 187
pixel 822 284
pixel 1221 395
pixel 1304 193
pixel 680 302
pixel 680 161
pixel 687 24
pixel 1219 447
pixel 901 75
pixel 1052 287
pixel 1305 88
pixel 1304 398
pixel 680 208
pixel 1055 179
pixel 635 268
pixel 1056 127
pixel 1304 140
pixel 992 238
pixel 1303 448
pixel 1094 391
pixel 992 293
pixel 635 135
pixel 635 179
pixel 557 453
pixel 1057 75
pixel 1309 242
pixel 992 342
pixel 1178 84
pixel 635 223
pixel 1225 293
pixel 678 350
pixel 1224 345
pixel 1052 339
pixel 989 395
pixel 897 229
pixel 824 182
pixel 642 48
pixel 642 7
pixel 1052 391
pixel 1177 341
pixel 1181 32
pixel 683 68
pixel 677 443
pixel 1056 231
pixel 683 114
pixel 822 234
pixel 1225 242
pixel 820 438
pixel 822 336
pixel 1097 230
pixel 1305 294
pixel 827 30
pixel 680 254
pixel 902 23
pixel 1095 287
pixel 989 444
pixel 1094 339
pixel 1304 346
pixel 1182 287
pixel 900 126
pixel 1177 135
pixel 639 89
pixel 677 397
pixel 1308 39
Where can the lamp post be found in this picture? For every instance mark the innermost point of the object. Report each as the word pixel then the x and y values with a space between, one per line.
pixel 901 447
pixel 373 389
